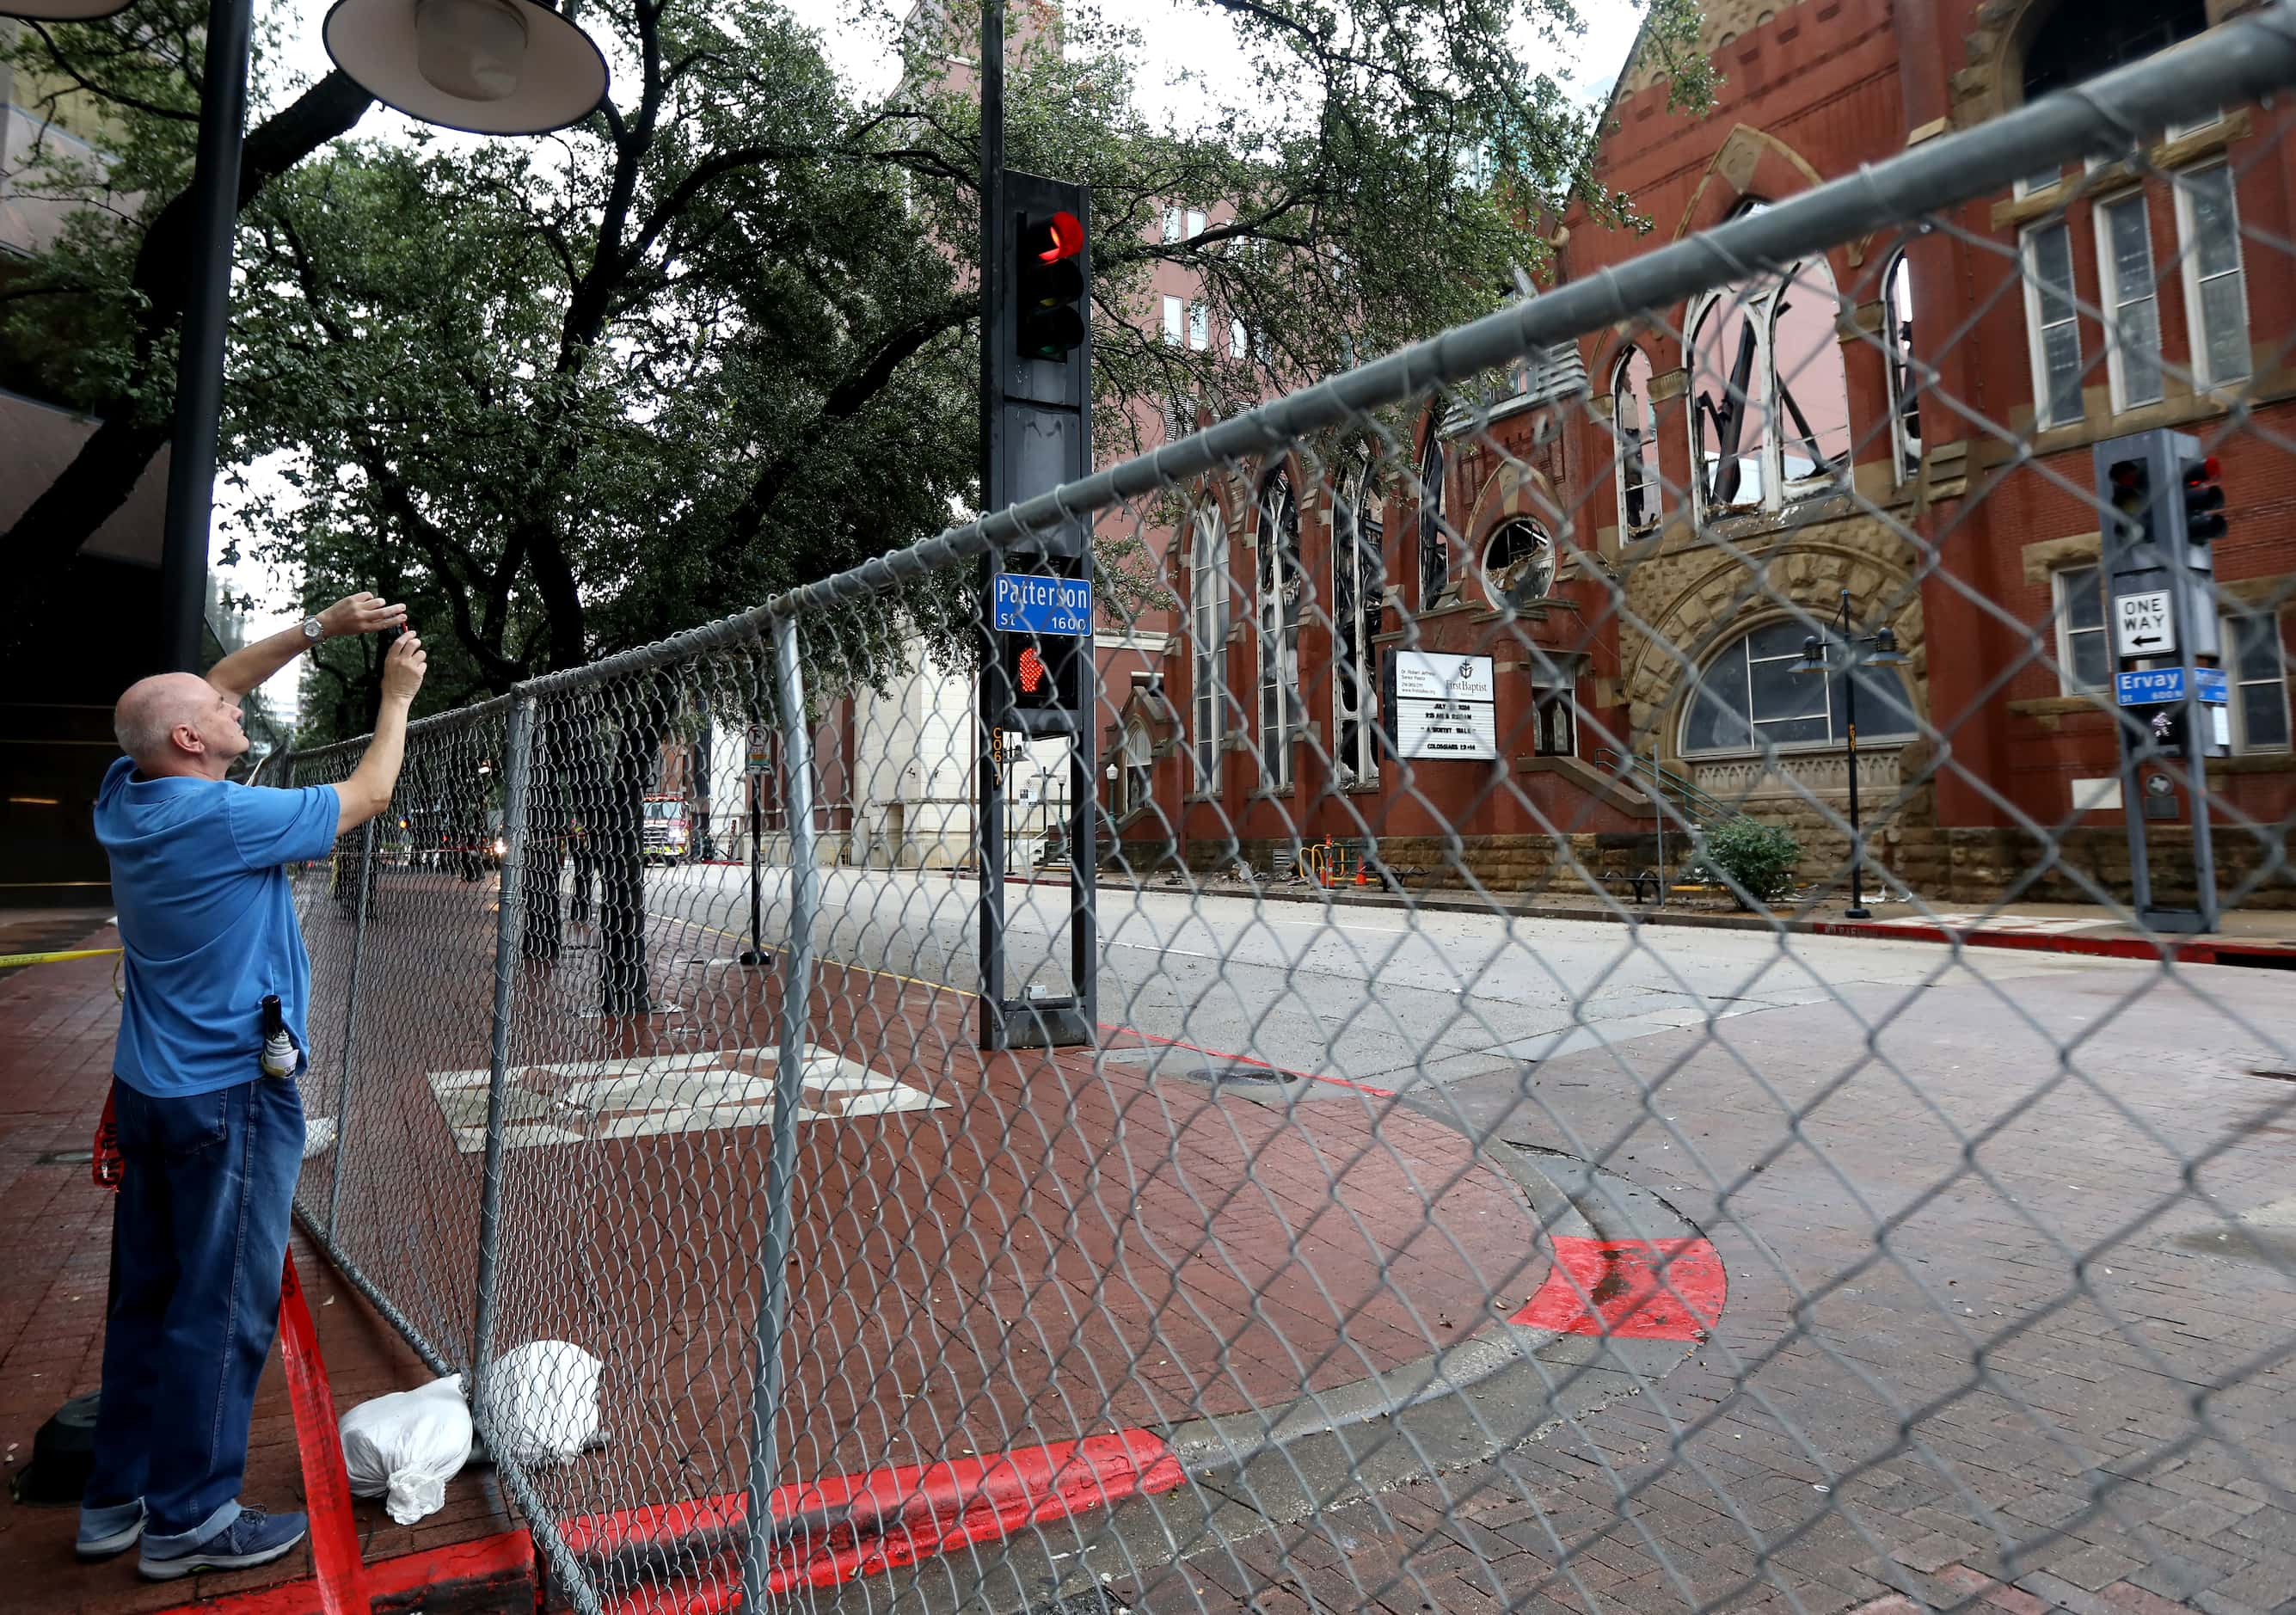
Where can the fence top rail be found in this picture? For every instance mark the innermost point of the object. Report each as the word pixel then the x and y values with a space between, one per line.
pixel 2244 59
pixel 438 723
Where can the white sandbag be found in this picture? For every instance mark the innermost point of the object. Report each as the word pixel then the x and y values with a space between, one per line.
pixel 406 1447
pixel 542 1398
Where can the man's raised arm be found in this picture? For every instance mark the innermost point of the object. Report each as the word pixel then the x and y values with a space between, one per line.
pixel 242 672
pixel 367 791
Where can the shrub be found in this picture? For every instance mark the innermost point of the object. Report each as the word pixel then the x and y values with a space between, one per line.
pixel 1759 858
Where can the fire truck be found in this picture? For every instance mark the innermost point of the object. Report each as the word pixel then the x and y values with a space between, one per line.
pixel 668 829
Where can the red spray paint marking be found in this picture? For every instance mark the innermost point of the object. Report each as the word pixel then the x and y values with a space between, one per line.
pixel 848 1526
pixel 1635 1290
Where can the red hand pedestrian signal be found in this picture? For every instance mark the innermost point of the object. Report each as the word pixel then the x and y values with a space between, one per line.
pixel 1032 671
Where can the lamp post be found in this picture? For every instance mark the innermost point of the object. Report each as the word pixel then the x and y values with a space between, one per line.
pixel 1879 649
pixel 492 67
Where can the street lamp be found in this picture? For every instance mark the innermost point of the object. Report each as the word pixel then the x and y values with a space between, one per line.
pixel 485 67
pixel 1879 649
pixel 491 67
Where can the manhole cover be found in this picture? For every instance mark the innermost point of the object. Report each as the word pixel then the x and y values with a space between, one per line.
pixel 1240 1076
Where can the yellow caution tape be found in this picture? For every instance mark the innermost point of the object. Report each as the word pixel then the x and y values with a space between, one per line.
pixel 11 961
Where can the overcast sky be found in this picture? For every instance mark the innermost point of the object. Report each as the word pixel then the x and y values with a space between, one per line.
pixel 1176 40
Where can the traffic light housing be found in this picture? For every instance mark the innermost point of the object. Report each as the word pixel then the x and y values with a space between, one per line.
pixel 2204 500
pixel 2129 488
pixel 1048 286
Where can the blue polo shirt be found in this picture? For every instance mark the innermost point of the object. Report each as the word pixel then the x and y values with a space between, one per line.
pixel 207 925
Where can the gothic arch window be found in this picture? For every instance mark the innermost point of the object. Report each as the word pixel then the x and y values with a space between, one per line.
pixel 1282 595
pixel 1770 394
pixel 1358 592
pixel 2080 40
pixel 1635 421
pixel 1434 543
pixel 1749 699
pixel 1905 379
pixel 1519 564
pixel 1208 643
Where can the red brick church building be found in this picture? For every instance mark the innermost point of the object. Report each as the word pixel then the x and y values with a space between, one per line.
pixel 1620 525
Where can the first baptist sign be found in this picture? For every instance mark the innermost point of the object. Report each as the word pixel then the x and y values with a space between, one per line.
pixel 1442 707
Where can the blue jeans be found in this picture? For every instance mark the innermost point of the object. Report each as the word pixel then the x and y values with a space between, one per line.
pixel 198 1238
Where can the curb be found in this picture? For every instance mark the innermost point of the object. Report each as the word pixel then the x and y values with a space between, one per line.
pixel 2265 956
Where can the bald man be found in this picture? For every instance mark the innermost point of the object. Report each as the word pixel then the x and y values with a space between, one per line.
pixel 212 1144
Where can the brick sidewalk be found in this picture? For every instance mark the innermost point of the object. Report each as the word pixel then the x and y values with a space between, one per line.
pixel 57 1022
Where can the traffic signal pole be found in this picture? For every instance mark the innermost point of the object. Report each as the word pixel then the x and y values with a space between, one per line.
pixel 988 771
pixel 1037 591
pixel 1037 675
pixel 2169 686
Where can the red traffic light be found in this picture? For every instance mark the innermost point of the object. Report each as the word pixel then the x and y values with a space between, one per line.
pixel 1051 240
pixel 1032 671
pixel 2204 501
pixel 1049 288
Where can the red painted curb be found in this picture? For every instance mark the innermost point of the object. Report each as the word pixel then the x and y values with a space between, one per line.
pixel 2271 955
pixel 1632 1289
pixel 340 1578
pixel 831 1531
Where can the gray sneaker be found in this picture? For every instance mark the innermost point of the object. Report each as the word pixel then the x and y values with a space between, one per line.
pixel 254 1539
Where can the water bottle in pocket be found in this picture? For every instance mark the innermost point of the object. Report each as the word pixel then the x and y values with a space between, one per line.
pixel 278 1047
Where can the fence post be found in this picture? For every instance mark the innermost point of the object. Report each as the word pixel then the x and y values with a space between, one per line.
pixel 509 926
pixel 797 983
pixel 350 1030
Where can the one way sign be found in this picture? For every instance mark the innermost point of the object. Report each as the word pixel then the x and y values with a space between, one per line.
pixel 2142 624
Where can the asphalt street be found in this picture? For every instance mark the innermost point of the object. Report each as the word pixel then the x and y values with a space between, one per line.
pixel 1394 999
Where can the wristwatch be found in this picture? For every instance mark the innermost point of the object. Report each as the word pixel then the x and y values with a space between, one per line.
pixel 314 630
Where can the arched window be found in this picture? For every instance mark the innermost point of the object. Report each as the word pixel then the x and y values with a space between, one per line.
pixel 1519 564
pixel 1208 643
pixel 1770 395
pixel 1434 546
pixel 1635 422
pixel 1750 699
pixel 2081 40
pixel 1282 592
pixel 1358 587
pixel 1904 383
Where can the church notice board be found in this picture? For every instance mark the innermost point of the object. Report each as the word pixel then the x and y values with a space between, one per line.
pixel 1442 706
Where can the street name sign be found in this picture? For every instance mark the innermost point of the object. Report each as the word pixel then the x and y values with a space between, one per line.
pixel 1029 603
pixel 2155 686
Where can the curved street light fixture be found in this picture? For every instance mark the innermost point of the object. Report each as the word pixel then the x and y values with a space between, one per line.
pixel 63 11
pixel 485 67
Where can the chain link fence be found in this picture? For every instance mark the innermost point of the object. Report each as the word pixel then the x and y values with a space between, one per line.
pixel 1492 1181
